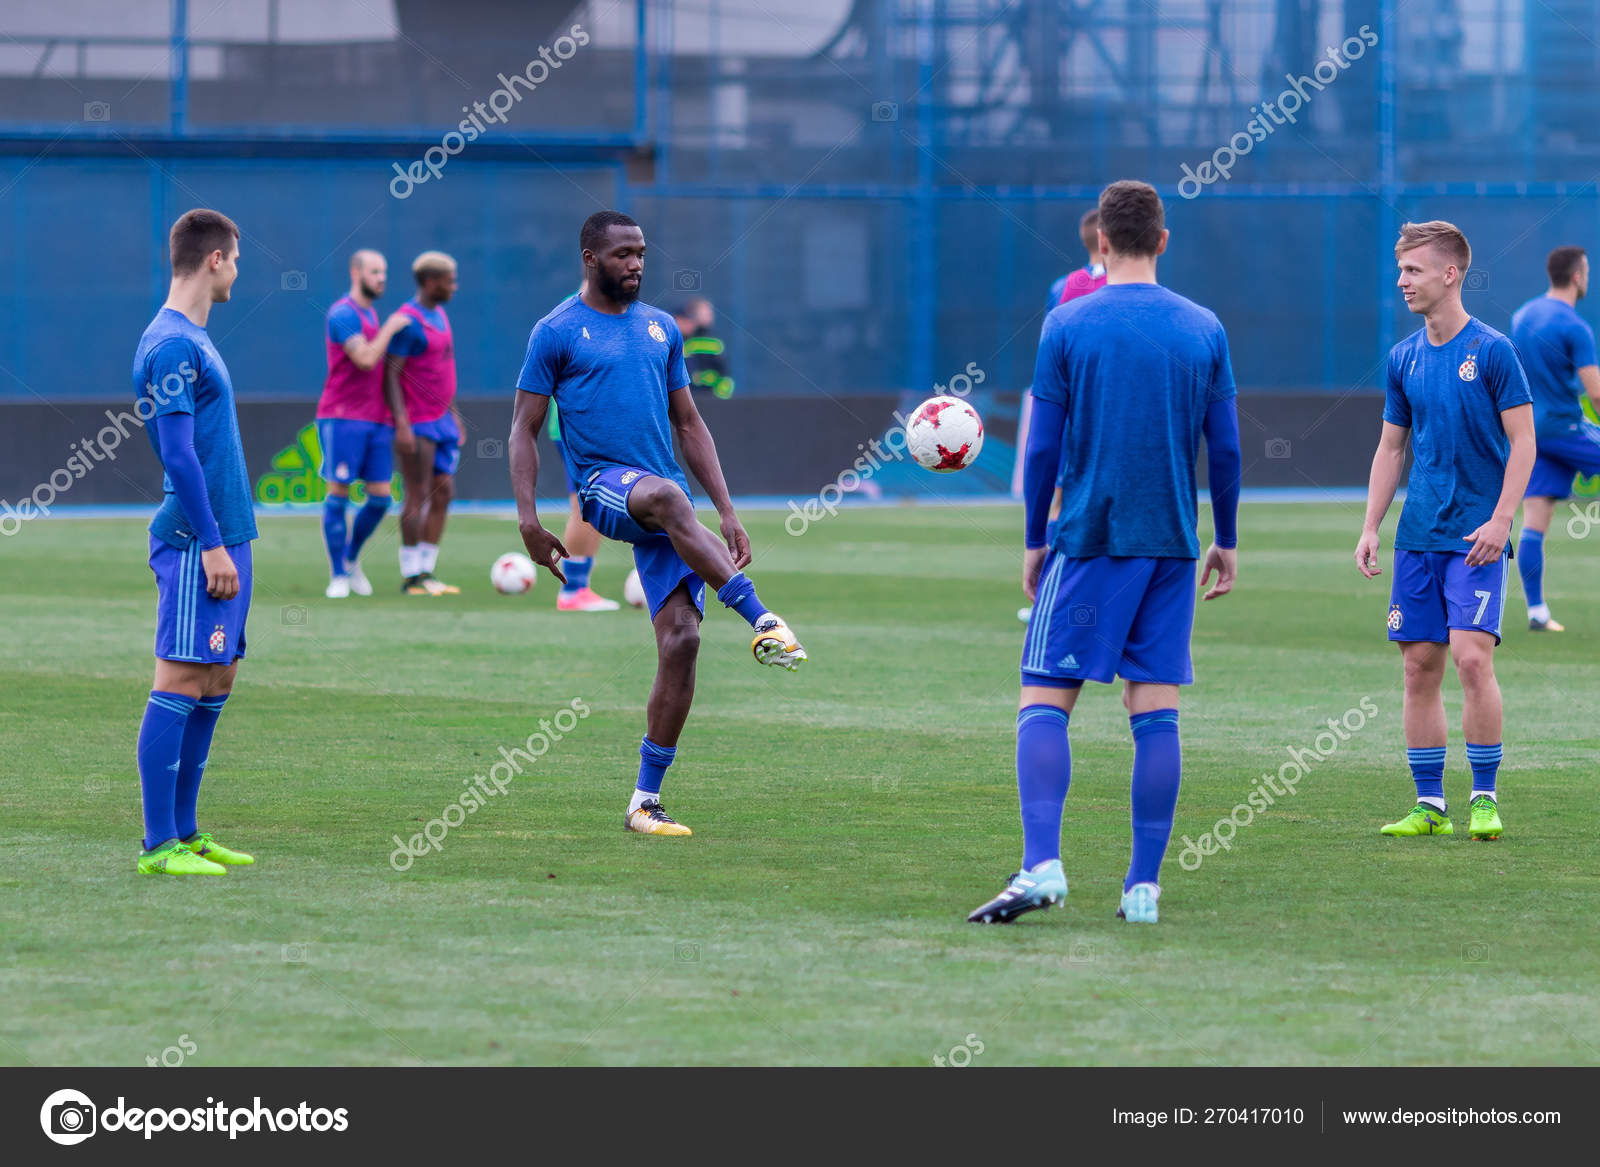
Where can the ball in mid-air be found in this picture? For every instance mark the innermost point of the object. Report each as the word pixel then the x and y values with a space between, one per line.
pixel 633 590
pixel 513 574
pixel 944 435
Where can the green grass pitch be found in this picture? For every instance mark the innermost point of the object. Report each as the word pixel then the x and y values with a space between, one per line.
pixel 846 819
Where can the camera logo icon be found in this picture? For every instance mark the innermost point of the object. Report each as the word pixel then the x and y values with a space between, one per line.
pixel 1279 448
pixel 886 111
pixel 293 281
pixel 1477 280
pixel 1081 615
pixel 294 615
pixel 491 448
pixel 686 281
pixel 68 1117
pixel 96 111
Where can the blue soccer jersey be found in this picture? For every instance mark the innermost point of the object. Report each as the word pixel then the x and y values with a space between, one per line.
pixel 176 369
pixel 1553 342
pixel 611 375
pixel 1450 397
pixel 1135 366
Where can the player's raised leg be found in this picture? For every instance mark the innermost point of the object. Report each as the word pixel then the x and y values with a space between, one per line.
pixel 677 628
pixel 658 504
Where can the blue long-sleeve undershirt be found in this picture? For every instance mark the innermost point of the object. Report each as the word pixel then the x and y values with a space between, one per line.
pixel 175 436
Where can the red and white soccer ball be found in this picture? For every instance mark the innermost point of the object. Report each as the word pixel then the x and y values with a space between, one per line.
pixel 944 435
pixel 513 574
pixel 633 590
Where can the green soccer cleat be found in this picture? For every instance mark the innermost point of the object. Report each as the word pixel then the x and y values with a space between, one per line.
pixel 176 859
pixel 208 848
pixel 1423 820
pixel 1139 904
pixel 1026 891
pixel 1485 825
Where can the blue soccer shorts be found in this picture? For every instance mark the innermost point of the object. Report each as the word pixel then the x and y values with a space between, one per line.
pixel 1561 459
pixel 1435 591
pixel 561 452
pixel 603 502
pixel 356 451
pixel 446 438
pixel 190 625
pixel 1101 618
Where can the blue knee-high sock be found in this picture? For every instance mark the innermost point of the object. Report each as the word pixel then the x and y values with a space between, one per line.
pixel 1157 771
pixel 333 530
pixel 577 571
pixel 367 520
pixel 1427 771
pixel 740 595
pixel 1044 772
pixel 653 763
pixel 1485 763
pixel 192 761
pixel 160 750
pixel 1530 562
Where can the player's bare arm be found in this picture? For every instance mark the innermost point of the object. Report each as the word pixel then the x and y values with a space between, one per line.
pixel 365 354
pixel 405 441
pixel 1489 541
pixel 1382 482
pixel 1589 378
pixel 527 419
pixel 700 452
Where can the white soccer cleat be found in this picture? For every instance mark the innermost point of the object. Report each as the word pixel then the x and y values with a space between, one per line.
pixel 360 585
pixel 1139 904
pixel 775 645
pixel 338 587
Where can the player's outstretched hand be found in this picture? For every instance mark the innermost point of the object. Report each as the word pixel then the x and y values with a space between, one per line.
pixel 1225 562
pixel 543 548
pixel 733 534
pixel 1032 564
pixel 222 577
pixel 1488 542
pixel 1367 554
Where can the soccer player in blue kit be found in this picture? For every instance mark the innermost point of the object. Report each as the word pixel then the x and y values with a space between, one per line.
pixel 1557 350
pixel 1126 383
pixel 615 367
pixel 1456 386
pixel 199 546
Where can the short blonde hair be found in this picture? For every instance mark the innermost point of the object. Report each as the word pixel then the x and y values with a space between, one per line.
pixel 431 263
pixel 1447 237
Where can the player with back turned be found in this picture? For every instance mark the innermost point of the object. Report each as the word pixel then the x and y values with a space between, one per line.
pixel 615 367
pixel 1113 589
pixel 199 546
pixel 1456 387
pixel 1558 355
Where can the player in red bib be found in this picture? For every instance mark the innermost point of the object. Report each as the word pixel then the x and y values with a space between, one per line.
pixel 419 381
pixel 353 422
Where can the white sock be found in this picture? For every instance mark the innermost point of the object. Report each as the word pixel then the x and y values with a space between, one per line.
pixel 640 798
pixel 1489 794
pixel 409 560
pixel 1539 612
pixel 1438 804
pixel 428 556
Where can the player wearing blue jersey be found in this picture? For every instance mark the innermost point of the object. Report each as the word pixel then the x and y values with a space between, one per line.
pixel 615 367
pixel 1558 354
pixel 199 546
pixel 1457 388
pixel 1113 587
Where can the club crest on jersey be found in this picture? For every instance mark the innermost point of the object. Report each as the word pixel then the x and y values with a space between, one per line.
pixel 628 476
pixel 1469 369
pixel 219 639
pixel 657 333
pixel 1394 618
